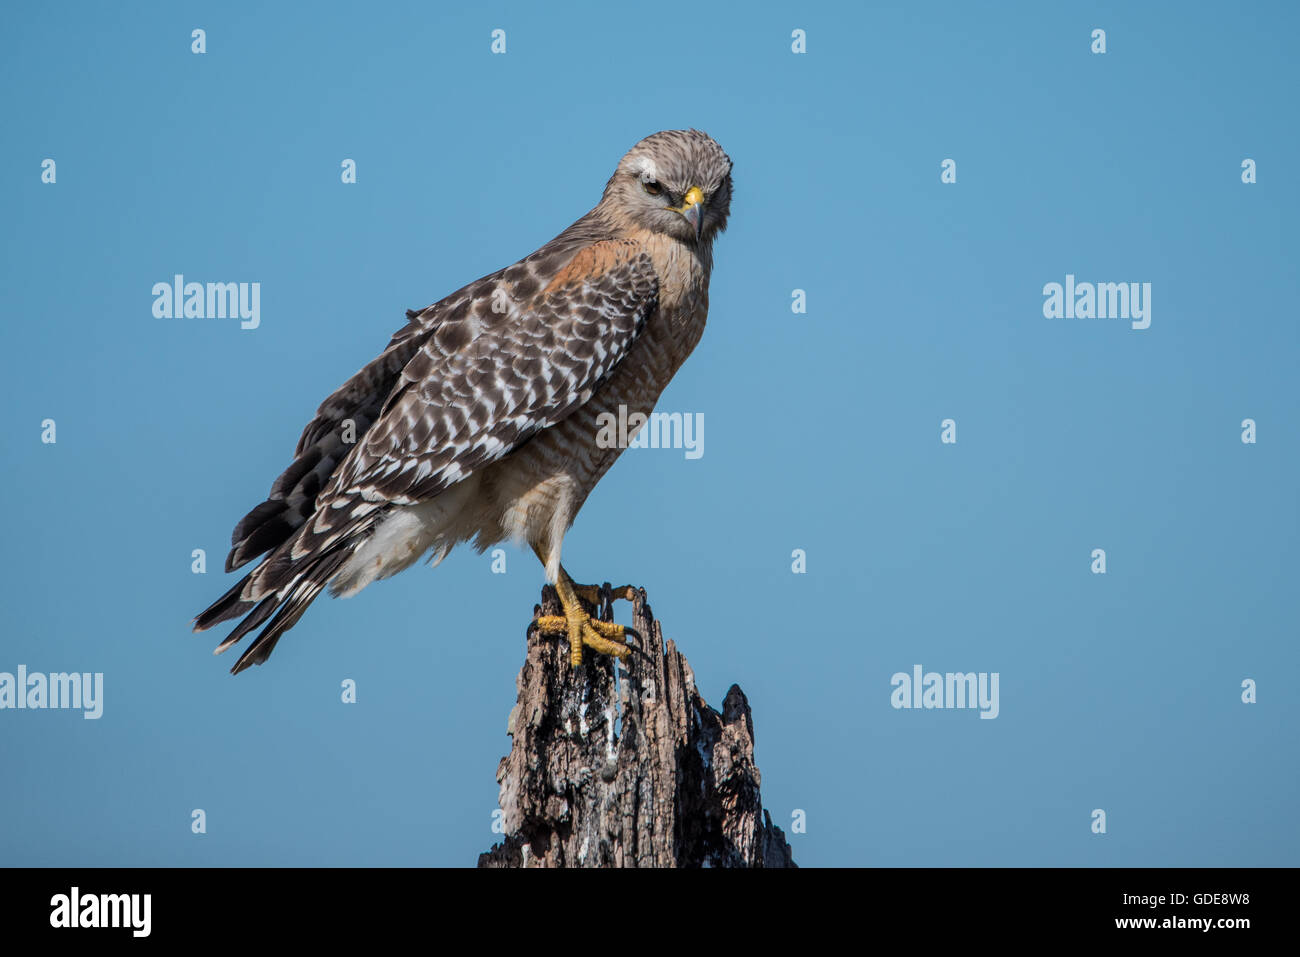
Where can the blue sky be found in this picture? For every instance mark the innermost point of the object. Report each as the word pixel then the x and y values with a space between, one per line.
pixel 924 302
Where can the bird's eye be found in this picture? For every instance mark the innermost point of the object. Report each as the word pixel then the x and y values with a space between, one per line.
pixel 651 187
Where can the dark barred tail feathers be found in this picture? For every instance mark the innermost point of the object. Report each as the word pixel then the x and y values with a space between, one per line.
pixel 290 604
pixel 301 561
pixel 277 526
pixel 281 588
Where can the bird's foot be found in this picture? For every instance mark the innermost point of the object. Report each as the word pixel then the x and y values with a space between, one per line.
pixel 582 627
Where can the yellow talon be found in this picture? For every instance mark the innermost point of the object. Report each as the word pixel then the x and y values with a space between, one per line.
pixel 592 593
pixel 582 628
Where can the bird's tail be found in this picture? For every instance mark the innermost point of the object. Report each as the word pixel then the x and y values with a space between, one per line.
pixel 278 591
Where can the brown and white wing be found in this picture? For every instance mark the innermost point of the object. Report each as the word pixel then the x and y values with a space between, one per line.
pixel 487 381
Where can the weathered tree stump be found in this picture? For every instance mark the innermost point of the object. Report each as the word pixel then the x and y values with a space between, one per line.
pixel 626 765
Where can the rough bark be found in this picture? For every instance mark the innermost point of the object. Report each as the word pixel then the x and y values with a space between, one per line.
pixel 633 771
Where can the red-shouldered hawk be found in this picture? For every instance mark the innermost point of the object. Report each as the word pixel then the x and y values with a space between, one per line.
pixel 480 420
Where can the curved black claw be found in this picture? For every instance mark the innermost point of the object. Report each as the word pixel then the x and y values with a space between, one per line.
pixel 639 645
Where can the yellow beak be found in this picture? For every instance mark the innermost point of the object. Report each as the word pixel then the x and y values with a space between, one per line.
pixel 693 209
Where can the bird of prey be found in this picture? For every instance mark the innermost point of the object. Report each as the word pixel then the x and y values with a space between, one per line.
pixel 479 421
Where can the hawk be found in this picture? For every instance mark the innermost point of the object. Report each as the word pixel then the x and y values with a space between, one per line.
pixel 479 421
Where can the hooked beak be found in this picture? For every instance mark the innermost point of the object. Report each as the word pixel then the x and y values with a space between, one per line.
pixel 693 209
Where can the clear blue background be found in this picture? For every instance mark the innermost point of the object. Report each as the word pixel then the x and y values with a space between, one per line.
pixel 1119 692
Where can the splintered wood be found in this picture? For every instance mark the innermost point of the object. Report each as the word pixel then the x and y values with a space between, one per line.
pixel 628 771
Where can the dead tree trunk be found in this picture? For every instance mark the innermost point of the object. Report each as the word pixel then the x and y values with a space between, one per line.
pixel 628 771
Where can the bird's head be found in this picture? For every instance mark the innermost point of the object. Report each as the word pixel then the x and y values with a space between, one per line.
pixel 676 182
